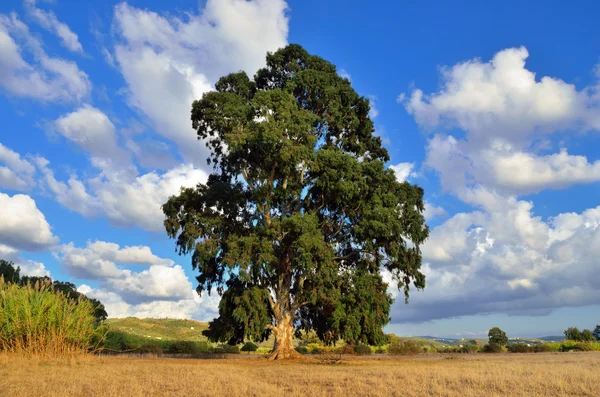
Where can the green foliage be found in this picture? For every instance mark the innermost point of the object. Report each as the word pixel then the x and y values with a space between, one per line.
pixel 596 332
pixel 363 350
pixel 183 347
pixel 543 348
pixel 497 337
pixel 300 207
pixel 302 349
pixel 226 349
pixel 12 274
pixel 39 320
pixel 249 347
pixel 150 348
pixel 346 349
pixel 406 347
pixel 587 336
pixel 492 348
pixel 572 333
pixel 520 348
pixel 470 348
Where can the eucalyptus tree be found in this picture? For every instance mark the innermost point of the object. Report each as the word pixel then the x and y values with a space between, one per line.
pixel 300 215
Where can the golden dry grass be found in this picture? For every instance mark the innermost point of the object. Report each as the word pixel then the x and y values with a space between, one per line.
pixel 566 374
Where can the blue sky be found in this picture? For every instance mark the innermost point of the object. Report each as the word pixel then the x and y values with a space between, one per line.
pixel 493 109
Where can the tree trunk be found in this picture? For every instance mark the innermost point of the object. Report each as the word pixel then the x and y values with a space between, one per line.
pixel 284 332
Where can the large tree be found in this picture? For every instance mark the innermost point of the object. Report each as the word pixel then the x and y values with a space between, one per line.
pixel 300 215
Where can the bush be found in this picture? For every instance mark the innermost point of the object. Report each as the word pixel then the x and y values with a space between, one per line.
pixel 520 348
pixel 492 348
pixel 542 348
pixel 380 350
pixel 249 347
pixel 182 347
pixel 346 349
pixel 363 350
pixel 583 347
pixel 302 349
pixel 404 348
pixel 39 320
pixel 226 349
pixel 150 348
pixel 469 349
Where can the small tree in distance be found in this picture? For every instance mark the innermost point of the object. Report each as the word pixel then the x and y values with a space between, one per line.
pixel 573 333
pixel 497 337
pixel 596 332
pixel 587 336
pixel 300 214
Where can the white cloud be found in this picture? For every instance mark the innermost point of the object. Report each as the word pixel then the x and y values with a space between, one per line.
pixel 403 171
pixel 501 98
pixel 374 112
pixel 433 211
pixel 48 21
pixel 168 62
pixel 28 267
pixel 22 224
pixel 504 259
pixel 100 261
pixel 16 173
pixel 504 111
pixel 47 78
pixel 203 308
pixel 92 130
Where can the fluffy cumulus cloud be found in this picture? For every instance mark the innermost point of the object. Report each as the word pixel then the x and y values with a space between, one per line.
pixel 503 109
pixel 22 225
pixel 43 77
pixel 161 289
pixel 403 171
pixel 125 198
pixel 48 21
pixel 203 308
pixel 16 173
pixel 93 131
pixel 103 262
pixel 506 260
pixel 27 267
pixel 500 257
pixel 168 62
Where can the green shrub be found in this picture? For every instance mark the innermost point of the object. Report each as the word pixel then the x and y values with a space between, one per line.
pixel 363 350
pixel 226 349
pixel 380 350
pixel 583 347
pixel 520 348
pixel 404 348
pixel 39 320
pixel 469 349
pixel 182 347
pixel 346 349
pixel 542 348
pixel 150 348
pixel 249 347
pixel 302 349
pixel 492 348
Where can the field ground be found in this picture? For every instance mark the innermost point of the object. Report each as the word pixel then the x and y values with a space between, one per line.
pixel 551 374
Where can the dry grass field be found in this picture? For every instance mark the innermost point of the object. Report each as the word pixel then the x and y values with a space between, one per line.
pixel 566 374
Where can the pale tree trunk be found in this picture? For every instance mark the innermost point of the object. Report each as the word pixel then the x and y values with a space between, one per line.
pixel 284 332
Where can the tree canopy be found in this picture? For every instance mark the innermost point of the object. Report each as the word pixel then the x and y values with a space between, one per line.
pixel 497 337
pixel 300 215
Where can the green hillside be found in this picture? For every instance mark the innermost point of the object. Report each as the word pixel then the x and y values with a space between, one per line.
pixel 152 328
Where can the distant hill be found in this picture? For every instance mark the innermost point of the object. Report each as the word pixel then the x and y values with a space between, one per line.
pixel 161 329
pixel 552 338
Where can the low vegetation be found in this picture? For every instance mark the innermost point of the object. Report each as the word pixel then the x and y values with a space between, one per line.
pixel 490 375
pixel 37 319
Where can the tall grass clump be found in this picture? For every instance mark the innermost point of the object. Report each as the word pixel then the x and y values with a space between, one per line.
pixel 36 319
